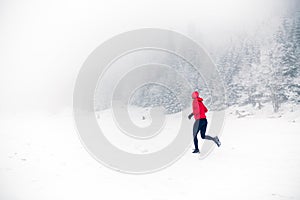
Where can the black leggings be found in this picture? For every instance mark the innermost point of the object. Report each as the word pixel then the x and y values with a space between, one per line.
pixel 200 125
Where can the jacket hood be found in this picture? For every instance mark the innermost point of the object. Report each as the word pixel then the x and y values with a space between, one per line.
pixel 195 95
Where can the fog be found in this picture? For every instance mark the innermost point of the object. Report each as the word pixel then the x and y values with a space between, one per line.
pixel 44 43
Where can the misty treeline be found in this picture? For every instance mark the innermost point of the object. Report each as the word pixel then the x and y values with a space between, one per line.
pixel 264 69
pixel 257 69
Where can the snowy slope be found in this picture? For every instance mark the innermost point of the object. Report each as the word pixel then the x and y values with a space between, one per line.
pixel 41 157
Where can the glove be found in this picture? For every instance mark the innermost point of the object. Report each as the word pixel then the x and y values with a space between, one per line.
pixel 190 115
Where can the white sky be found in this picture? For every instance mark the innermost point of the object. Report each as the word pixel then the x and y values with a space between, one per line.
pixel 44 43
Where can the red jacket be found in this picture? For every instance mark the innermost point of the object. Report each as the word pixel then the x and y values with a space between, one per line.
pixel 199 108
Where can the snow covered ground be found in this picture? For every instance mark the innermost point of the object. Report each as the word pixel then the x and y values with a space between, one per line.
pixel 41 157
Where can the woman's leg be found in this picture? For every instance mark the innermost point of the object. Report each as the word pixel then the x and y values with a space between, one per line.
pixel 195 132
pixel 203 126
